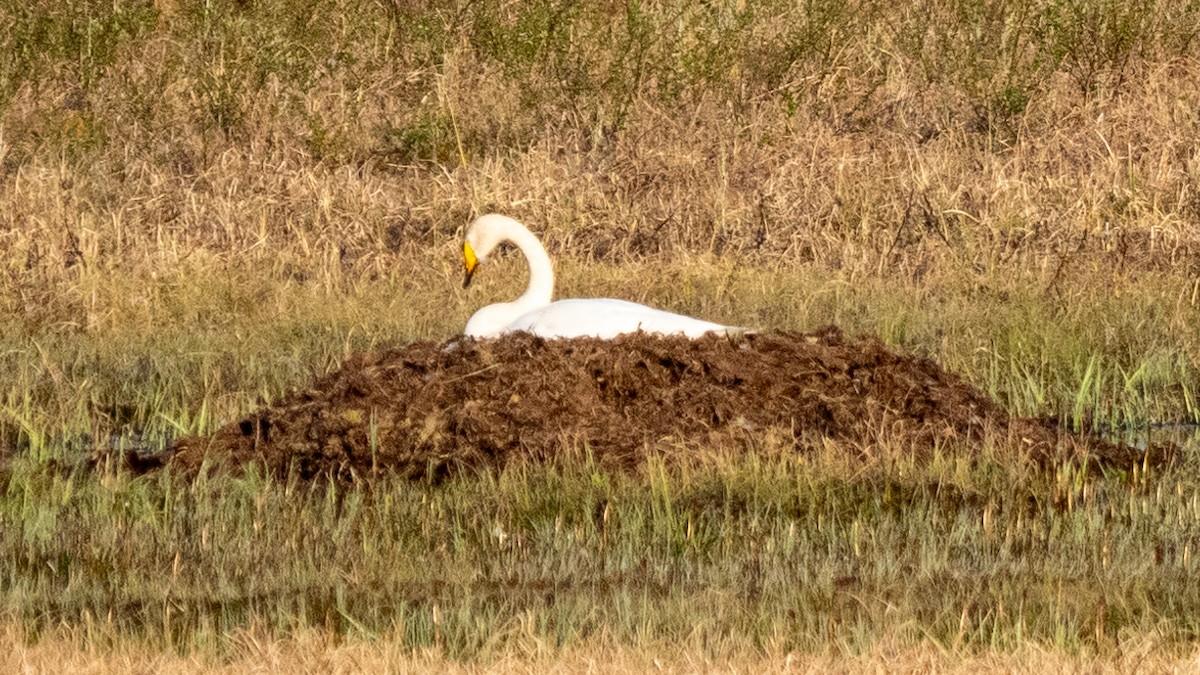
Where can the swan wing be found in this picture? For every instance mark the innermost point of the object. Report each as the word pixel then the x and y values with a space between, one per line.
pixel 607 318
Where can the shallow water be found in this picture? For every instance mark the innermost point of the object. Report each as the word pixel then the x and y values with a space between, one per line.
pixel 1186 436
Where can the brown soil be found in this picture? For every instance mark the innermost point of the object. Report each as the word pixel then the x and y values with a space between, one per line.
pixel 436 408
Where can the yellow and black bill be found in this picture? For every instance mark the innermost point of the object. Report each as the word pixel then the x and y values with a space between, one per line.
pixel 470 262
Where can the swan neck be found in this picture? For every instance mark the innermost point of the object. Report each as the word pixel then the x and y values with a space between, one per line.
pixel 541 274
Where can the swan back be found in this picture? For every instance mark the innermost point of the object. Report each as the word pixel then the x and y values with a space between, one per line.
pixel 607 318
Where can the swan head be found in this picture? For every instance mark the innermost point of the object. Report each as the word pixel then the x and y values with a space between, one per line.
pixel 484 234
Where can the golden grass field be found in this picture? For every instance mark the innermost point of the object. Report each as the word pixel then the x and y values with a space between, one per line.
pixel 205 205
pixel 316 653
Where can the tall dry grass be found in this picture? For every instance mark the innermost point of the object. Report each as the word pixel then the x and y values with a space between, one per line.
pixel 204 204
pixel 314 652
pixel 201 206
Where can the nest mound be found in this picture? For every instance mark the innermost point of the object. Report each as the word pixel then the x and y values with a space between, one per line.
pixel 434 408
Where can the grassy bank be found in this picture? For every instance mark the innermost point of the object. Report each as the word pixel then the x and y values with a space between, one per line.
pixel 729 555
pixel 315 652
pixel 203 205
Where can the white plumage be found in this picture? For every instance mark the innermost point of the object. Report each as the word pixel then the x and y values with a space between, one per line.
pixel 608 318
pixel 533 312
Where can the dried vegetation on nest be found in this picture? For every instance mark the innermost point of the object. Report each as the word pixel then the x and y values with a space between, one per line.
pixel 439 407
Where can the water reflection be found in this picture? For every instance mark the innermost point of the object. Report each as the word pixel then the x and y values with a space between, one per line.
pixel 1186 436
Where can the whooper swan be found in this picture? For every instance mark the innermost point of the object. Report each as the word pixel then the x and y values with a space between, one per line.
pixel 534 313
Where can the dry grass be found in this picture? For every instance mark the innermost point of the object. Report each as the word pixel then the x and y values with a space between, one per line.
pixel 315 652
pixel 222 204
pixel 725 556
pixel 204 204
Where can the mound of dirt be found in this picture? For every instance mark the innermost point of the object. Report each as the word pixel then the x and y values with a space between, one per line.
pixel 434 408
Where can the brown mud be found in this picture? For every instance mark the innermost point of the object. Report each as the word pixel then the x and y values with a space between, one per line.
pixel 433 409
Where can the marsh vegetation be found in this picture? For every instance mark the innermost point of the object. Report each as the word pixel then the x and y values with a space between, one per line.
pixel 204 206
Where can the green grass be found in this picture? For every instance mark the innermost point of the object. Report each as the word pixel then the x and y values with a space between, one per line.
pixel 204 205
pixel 781 554
pixel 212 351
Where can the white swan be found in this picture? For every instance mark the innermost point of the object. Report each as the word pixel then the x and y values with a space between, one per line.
pixel 483 236
pixel 534 313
